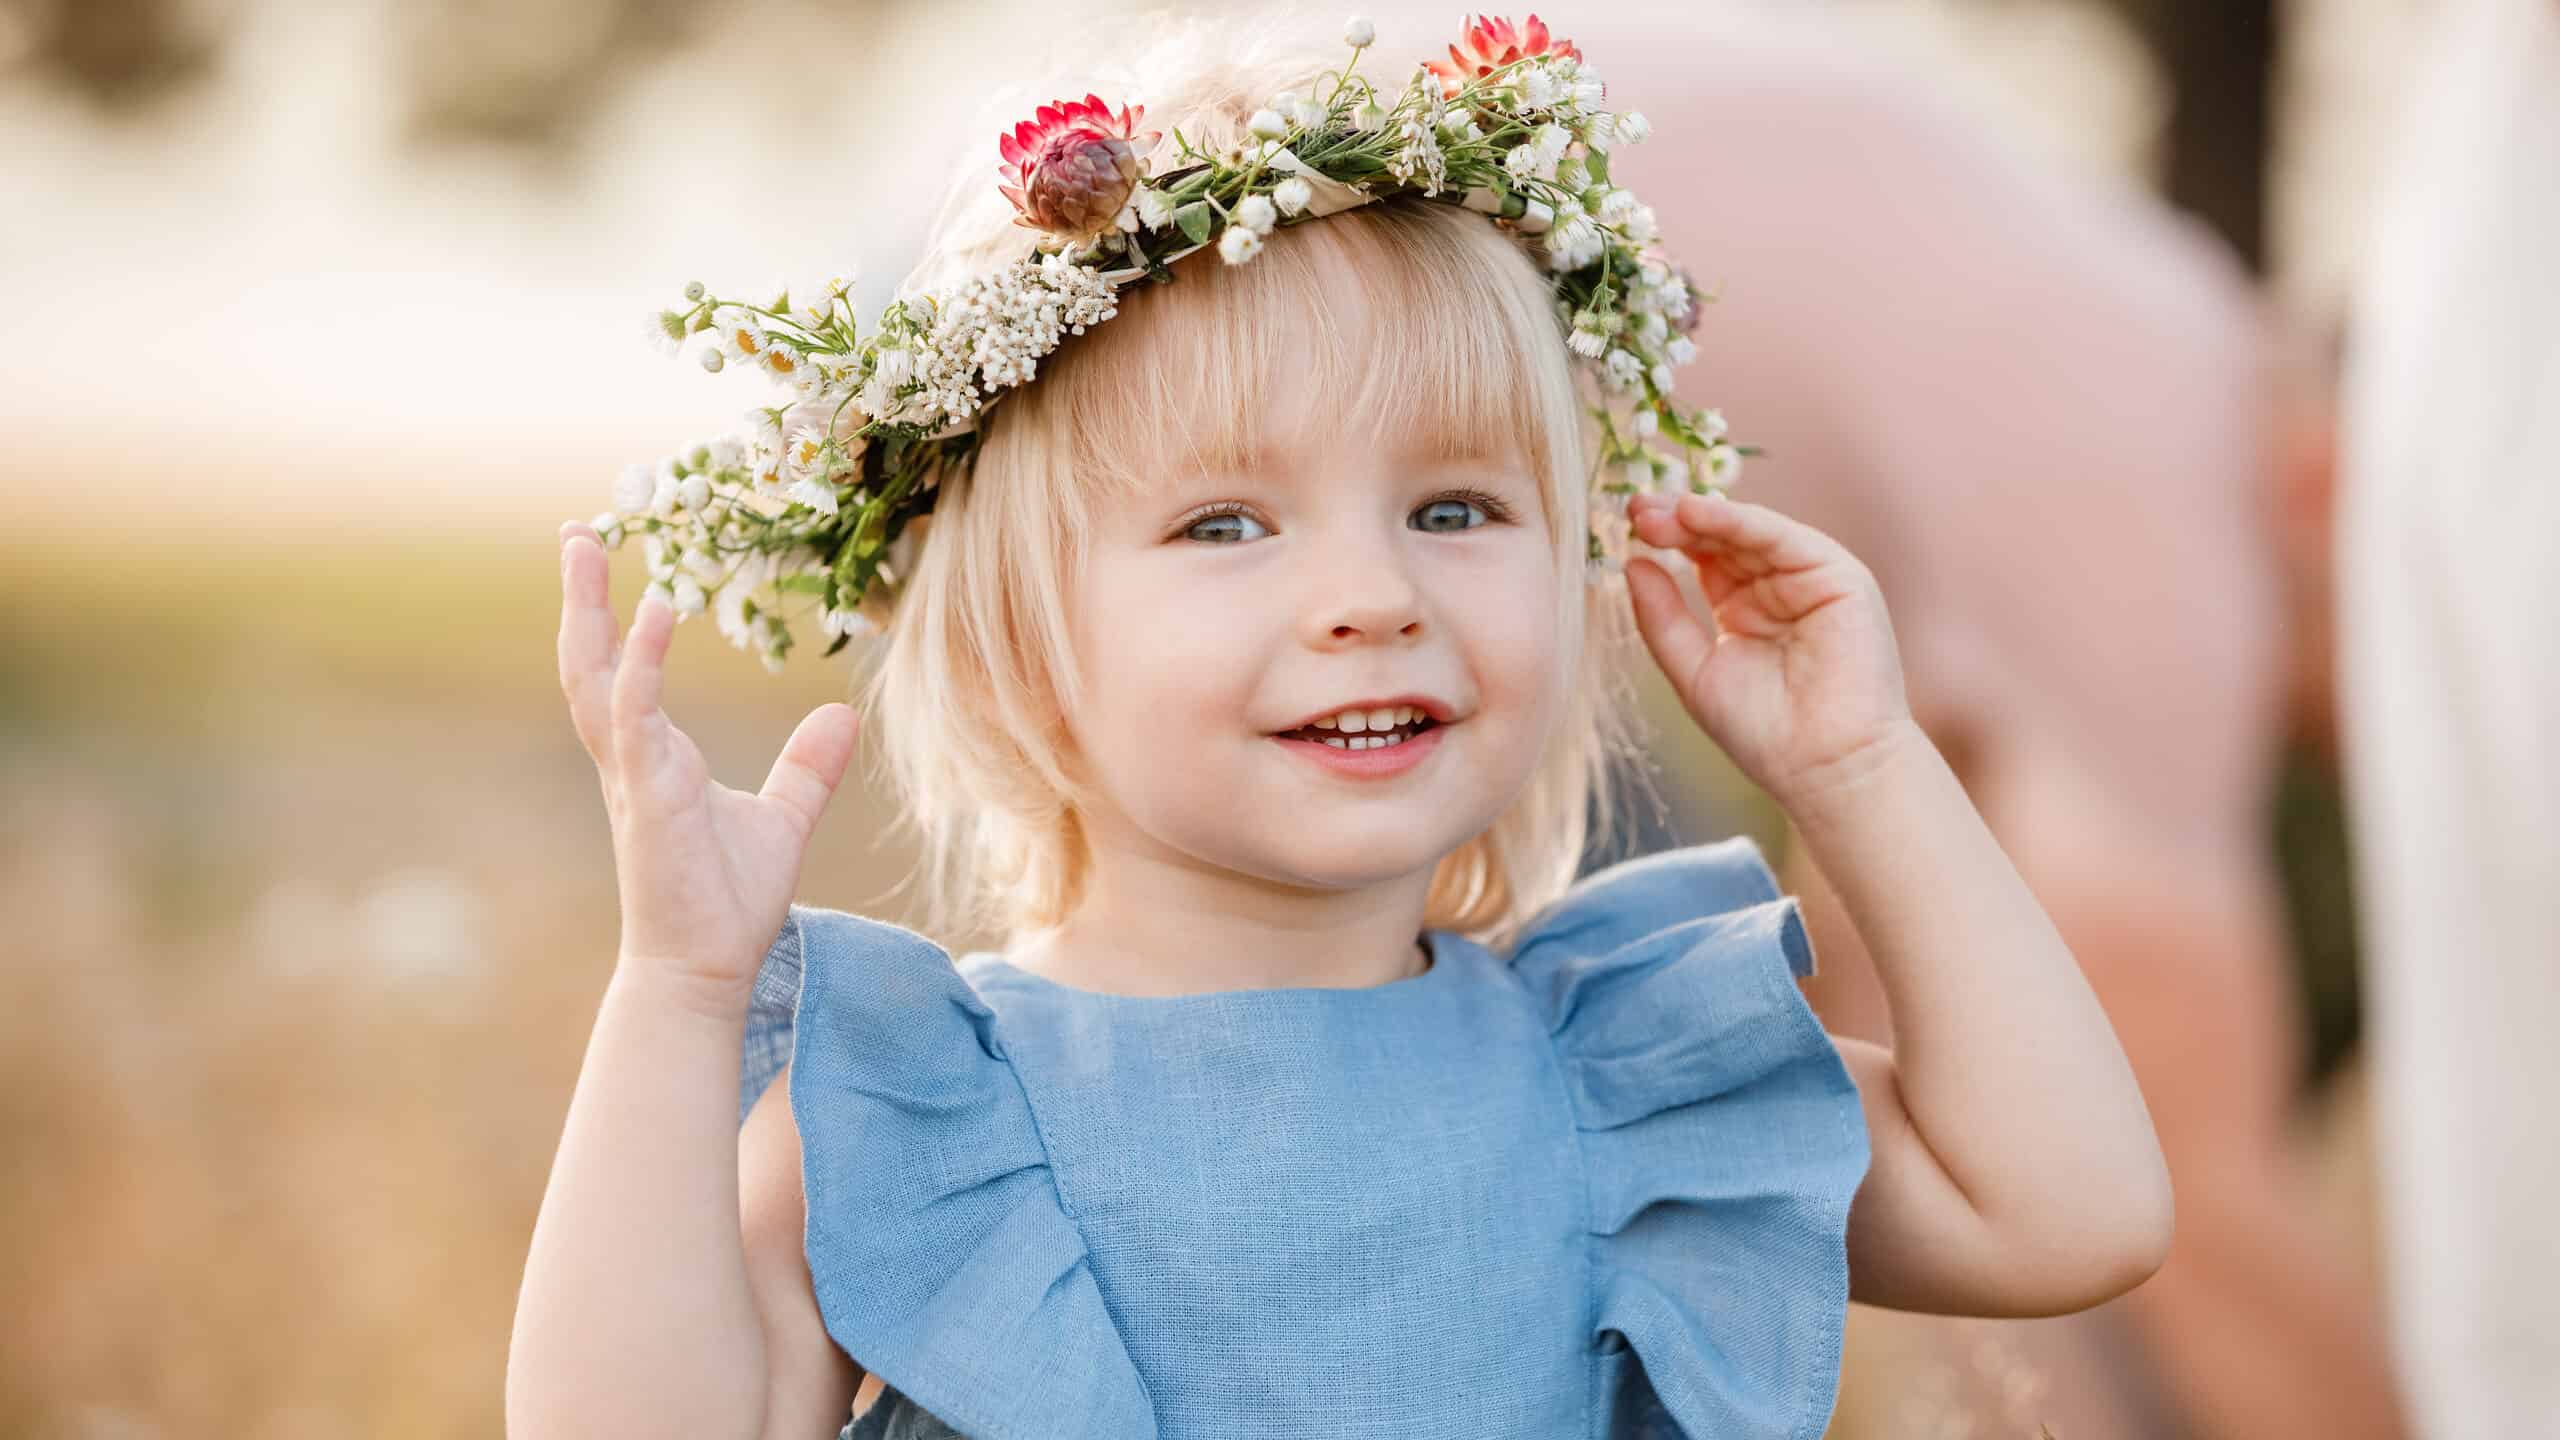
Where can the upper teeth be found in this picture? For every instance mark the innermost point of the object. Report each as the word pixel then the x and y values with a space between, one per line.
pixel 1355 721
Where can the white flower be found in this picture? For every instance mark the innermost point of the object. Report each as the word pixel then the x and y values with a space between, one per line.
pixel 1307 114
pixel 1660 375
pixel 1639 473
pixel 1360 34
pixel 1724 463
pixel 608 528
pixel 845 622
pixel 1521 161
pixel 1586 93
pixel 1537 88
pixel 693 290
pixel 712 359
pixel 1648 424
pixel 737 333
pixel 1633 127
pixel 1573 176
pixel 1682 350
pixel 663 591
pixel 813 492
pixel 666 332
pixel 1575 243
pixel 1537 218
pixel 1293 195
pixel 632 489
pixel 1239 243
pixel 1641 226
pixel 1153 210
pixel 662 490
pixel 1600 132
pixel 688 597
pixel 1711 424
pixel 728 452
pixel 812 303
pixel 694 491
pixel 1551 141
pixel 1624 369
pixel 1257 213
pixel 1370 118
pixel 1267 125
pixel 1675 472
pixel 1617 206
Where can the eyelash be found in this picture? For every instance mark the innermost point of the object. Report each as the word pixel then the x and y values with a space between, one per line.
pixel 1496 511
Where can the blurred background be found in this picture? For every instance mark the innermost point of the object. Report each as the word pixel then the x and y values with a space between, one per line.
pixel 321 317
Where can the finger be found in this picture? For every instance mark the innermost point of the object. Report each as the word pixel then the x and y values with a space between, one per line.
pixel 811 764
pixel 1762 538
pixel 587 635
pixel 640 679
pixel 1720 573
pixel 1680 644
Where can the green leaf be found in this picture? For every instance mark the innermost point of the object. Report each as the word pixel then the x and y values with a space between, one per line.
pixel 1194 221
pixel 1598 165
pixel 805 583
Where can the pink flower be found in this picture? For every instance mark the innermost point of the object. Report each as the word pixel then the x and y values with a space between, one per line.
pixel 1491 44
pixel 1070 168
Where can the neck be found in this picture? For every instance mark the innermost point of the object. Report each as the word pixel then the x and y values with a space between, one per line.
pixel 1156 922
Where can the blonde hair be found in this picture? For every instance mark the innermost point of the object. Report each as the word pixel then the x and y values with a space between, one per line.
pixel 976 671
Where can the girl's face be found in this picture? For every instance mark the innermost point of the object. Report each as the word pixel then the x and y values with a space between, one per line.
pixel 1220 611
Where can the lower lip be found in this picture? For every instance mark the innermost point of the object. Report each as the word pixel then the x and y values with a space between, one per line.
pixel 1369 764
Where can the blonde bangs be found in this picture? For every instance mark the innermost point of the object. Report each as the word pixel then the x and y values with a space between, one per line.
pixel 1385 311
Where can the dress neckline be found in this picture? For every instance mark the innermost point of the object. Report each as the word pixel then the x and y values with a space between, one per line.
pixel 1448 951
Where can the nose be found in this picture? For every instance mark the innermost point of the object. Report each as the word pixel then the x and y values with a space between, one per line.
pixel 1370 597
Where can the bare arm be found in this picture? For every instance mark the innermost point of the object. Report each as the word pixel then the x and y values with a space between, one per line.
pixel 2015 1171
pixel 636 1317
pixel 811 1383
pixel 2253 1321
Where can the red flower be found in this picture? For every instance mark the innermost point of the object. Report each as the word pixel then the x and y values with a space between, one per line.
pixel 1494 44
pixel 1070 168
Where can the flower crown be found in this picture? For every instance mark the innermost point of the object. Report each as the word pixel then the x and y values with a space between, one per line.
pixel 813 499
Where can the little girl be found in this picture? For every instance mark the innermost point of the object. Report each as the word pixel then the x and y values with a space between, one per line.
pixel 1256 683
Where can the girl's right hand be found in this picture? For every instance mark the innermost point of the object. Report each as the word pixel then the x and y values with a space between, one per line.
pixel 706 872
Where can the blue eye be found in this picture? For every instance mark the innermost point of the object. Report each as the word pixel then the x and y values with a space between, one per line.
pixel 1193 532
pixel 1460 522
pixel 1436 519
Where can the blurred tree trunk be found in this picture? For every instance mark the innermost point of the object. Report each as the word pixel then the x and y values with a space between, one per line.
pixel 2220 57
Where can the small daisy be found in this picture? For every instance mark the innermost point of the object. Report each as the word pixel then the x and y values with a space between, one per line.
pixel 1257 213
pixel 1724 463
pixel 1293 195
pixel 1239 244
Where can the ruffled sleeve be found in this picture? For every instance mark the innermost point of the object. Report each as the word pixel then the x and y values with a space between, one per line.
pixel 1721 1137
pixel 942 1257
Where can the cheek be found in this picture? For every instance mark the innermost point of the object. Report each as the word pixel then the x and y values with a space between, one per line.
pixel 1163 666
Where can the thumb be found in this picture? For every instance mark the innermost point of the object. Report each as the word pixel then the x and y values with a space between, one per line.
pixel 1680 644
pixel 805 774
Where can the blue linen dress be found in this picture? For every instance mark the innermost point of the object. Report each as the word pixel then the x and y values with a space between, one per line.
pixel 1596 1186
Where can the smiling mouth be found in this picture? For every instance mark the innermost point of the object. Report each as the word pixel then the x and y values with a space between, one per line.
pixel 1363 740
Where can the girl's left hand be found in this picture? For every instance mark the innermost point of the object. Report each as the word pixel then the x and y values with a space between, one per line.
pixel 1800 682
